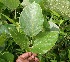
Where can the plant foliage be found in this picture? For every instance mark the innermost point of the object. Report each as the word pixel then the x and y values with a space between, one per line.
pixel 38 26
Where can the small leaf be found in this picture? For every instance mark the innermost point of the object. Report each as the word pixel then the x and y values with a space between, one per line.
pixel 44 43
pixel 61 21
pixel 55 13
pixel 12 21
pixel 31 19
pixel 53 26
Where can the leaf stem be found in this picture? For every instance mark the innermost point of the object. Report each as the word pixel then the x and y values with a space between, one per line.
pixel 15 14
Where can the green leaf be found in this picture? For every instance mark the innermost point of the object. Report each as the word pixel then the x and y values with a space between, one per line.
pixel 55 13
pixel 2 39
pixel 44 43
pixel 12 21
pixel 60 6
pixel 19 38
pixel 3 36
pixel 31 19
pixel 8 57
pixel 46 25
pixel 11 4
pixel 61 21
pixel 53 26
pixel 2 60
pixel 2 6
pixel 4 29
pixel 11 30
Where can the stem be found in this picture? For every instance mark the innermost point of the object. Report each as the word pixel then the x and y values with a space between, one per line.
pixel 15 14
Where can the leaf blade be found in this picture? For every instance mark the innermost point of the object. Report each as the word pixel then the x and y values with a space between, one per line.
pixel 11 4
pixel 45 43
pixel 31 19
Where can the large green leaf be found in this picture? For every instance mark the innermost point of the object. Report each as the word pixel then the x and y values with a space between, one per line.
pixel 19 38
pixel 44 43
pixel 11 4
pixel 60 6
pixel 11 30
pixel 31 19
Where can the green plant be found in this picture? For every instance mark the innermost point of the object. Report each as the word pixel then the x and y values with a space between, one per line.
pixel 34 26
